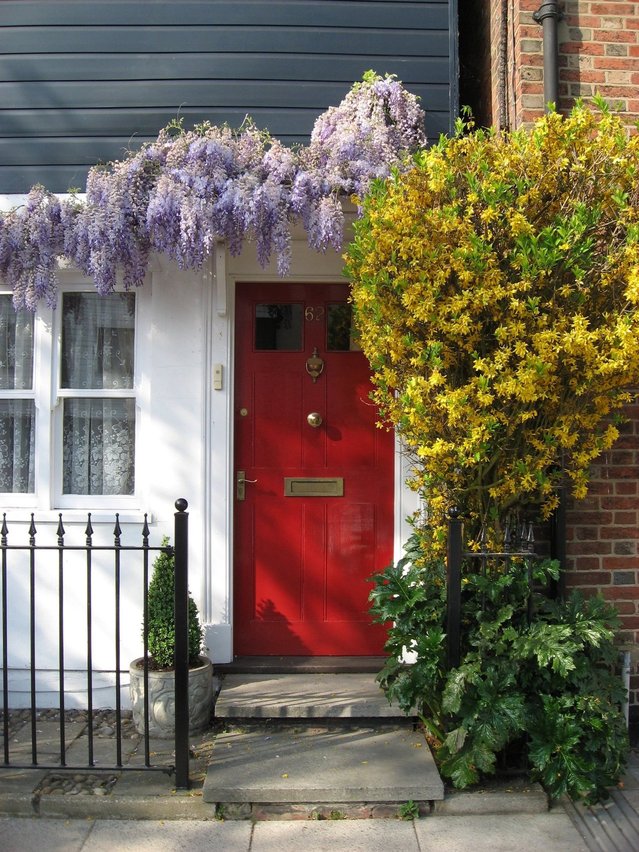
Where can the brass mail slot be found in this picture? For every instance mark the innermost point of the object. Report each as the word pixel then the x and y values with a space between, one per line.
pixel 313 487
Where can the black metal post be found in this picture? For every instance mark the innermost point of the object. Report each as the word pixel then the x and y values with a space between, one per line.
pixel 4 532
pixel 453 591
pixel 181 645
pixel 117 544
pixel 558 543
pixel 88 533
pixel 145 637
pixel 32 638
pixel 63 746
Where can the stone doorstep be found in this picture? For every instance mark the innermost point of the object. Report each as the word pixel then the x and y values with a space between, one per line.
pixel 316 746
pixel 322 766
pixel 302 665
pixel 516 796
pixel 303 696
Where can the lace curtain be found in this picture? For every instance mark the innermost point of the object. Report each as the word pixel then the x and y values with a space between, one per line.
pixel 17 413
pixel 98 453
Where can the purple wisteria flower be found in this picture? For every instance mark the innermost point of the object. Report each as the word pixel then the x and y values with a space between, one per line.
pixel 31 239
pixel 187 190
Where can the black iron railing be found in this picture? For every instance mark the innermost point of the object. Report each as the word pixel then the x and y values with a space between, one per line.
pixel 35 552
pixel 519 542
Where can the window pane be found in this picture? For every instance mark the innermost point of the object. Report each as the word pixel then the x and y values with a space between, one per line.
pixel 97 340
pixel 340 333
pixel 278 327
pixel 17 438
pixel 98 446
pixel 16 347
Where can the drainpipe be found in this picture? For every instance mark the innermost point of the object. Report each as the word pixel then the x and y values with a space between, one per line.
pixel 549 15
pixel 502 86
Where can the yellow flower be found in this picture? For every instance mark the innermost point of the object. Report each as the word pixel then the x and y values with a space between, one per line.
pixel 496 288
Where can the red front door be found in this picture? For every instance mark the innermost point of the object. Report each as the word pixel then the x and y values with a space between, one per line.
pixel 314 476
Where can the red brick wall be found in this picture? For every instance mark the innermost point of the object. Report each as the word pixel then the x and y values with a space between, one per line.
pixel 603 535
pixel 598 54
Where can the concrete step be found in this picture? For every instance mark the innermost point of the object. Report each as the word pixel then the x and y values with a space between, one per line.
pixel 316 744
pixel 334 766
pixel 301 665
pixel 326 746
pixel 304 696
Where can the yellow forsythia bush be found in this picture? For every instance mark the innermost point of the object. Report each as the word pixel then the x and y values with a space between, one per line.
pixel 496 287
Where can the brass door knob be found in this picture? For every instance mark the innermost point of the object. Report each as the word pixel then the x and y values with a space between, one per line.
pixel 314 419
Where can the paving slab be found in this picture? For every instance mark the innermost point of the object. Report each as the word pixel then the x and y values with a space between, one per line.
pixel 338 836
pixel 323 765
pixel 33 835
pixel 18 781
pixel 104 751
pixel 37 835
pixel 180 836
pixel 550 832
pixel 286 696
pixel 47 741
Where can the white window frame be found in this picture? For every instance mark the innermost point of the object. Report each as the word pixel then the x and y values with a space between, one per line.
pixel 49 396
pixel 24 498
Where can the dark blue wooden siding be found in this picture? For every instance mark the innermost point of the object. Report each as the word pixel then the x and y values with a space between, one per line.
pixel 81 81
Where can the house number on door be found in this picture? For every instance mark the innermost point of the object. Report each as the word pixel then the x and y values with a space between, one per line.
pixel 314 314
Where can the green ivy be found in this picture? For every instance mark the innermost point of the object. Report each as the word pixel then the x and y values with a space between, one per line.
pixel 161 620
pixel 549 682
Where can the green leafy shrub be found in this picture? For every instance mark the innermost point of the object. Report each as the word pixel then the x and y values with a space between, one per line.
pixel 161 620
pixel 549 682
pixel 496 287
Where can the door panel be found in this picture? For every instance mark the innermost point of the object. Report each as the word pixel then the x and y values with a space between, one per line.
pixel 302 563
pixel 277 396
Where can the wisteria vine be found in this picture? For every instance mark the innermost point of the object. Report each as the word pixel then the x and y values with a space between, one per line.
pixel 186 190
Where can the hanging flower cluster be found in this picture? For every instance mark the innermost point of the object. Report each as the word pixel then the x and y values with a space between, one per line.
pixel 184 191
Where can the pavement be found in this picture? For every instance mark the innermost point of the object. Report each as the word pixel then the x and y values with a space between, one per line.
pixel 552 832
pixel 142 811
pixel 132 809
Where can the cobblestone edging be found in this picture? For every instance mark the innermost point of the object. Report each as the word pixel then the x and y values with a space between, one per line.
pixel 93 781
pixel 104 721
pixel 76 784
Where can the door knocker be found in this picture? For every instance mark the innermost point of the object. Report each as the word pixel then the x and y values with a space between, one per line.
pixel 314 365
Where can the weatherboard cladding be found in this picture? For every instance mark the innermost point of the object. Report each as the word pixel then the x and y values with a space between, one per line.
pixel 82 81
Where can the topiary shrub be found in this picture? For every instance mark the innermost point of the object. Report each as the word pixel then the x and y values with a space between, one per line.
pixel 161 619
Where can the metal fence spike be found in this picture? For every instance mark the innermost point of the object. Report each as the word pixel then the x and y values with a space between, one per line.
pixel 117 530
pixel 60 531
pixel 89 530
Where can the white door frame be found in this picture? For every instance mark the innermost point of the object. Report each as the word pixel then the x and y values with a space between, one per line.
pixel 220 279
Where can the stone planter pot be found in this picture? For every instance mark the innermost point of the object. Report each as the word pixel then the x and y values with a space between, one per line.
pixel 162 698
